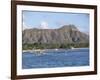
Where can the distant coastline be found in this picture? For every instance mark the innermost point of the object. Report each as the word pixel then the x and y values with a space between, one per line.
pixel 44 50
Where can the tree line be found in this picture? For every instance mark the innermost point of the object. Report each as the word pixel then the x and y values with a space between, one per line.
pixel 30 46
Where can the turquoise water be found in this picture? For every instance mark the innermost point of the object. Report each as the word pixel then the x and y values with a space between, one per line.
pixel 56 58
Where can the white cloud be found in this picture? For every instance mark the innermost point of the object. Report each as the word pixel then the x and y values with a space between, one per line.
pixel 24 26
pixel 44 25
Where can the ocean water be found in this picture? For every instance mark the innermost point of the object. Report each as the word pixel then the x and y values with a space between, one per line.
pixel 56 58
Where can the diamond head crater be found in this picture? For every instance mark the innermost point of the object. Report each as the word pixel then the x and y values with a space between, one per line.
pixel 65 37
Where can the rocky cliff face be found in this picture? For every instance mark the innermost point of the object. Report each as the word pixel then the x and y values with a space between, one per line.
pixel 65 34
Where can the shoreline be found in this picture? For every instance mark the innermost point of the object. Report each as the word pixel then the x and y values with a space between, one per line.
pixel 42 50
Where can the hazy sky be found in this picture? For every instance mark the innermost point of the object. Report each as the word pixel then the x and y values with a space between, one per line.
pixel 52 20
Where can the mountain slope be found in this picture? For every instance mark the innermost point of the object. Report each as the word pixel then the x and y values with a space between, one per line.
pixel 65 34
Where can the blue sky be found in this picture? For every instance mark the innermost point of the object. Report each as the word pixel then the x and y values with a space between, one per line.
pixel 53 20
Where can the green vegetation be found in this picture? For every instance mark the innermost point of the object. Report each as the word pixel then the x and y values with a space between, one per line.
pixel 53 46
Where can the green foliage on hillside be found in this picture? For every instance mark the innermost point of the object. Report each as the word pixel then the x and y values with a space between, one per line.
pixel 53 46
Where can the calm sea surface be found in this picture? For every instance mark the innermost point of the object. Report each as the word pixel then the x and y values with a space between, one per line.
pixel 56 58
